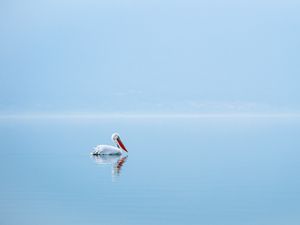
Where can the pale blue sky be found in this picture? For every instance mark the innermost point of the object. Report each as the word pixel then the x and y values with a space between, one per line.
pixel 149 56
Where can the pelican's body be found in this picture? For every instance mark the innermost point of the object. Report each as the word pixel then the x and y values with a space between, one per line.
pixel 109 149
pixel 106 150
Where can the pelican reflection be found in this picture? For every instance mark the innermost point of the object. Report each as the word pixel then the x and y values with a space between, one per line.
pixel 117 162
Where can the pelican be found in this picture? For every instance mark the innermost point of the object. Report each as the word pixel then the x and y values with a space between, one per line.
pixel 111 150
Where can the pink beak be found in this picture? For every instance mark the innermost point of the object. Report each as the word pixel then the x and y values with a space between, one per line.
pixel 120 143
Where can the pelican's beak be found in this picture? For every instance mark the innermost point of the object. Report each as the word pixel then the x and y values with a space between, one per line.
pixel 120 143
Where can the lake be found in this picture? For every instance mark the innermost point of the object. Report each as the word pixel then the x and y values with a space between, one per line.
pixel 210 171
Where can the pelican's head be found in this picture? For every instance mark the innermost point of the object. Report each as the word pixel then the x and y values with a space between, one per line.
pixel 117 140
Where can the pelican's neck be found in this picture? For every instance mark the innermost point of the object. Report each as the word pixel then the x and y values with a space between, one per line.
pixel 117 144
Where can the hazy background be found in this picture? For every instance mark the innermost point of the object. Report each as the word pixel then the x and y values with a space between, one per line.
pixel 131 60
pixel 149 56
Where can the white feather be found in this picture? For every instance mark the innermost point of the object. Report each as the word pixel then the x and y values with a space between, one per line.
pixel 106 150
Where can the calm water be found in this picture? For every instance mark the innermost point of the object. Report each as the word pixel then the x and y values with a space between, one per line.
pixel 178 171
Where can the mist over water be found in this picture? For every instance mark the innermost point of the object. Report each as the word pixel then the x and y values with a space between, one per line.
pixel 178 171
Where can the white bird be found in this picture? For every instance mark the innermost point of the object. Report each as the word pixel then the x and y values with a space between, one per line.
pixel 111 150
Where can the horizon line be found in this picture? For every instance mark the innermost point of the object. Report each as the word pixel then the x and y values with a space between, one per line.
pixel 143 115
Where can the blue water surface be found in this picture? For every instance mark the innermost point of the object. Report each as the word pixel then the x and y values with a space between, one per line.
pixel 212 171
